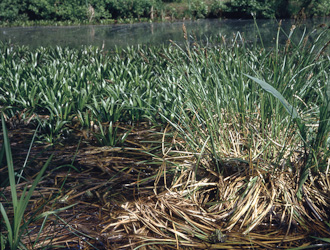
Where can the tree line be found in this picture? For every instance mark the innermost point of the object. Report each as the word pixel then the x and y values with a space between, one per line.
pixel 96 10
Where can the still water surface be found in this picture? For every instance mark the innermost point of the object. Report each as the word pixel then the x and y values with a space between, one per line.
pixel 123 35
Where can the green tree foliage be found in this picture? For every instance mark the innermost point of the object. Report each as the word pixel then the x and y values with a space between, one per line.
pixel 40 9
pixel 11 10
pixel 282 8
pixel 80 10
pixel 129 8
pixel 8 12
pixel 70 10
pixel 244 8
pixel 316 7
pixel 199 9
pixel 276 8
pixel 62 10
pixel 216 8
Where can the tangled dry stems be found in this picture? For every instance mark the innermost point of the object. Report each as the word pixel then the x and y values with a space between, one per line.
pixel 122 203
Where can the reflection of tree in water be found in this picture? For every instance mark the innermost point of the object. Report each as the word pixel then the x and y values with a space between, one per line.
pixel 92 32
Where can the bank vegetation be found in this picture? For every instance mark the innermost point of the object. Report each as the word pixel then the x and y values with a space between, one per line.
pixel 54 12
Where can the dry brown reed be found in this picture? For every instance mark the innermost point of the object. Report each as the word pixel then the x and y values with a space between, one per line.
pixel 123 203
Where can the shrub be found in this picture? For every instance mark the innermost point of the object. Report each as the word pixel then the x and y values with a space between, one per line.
pixel 12 10
pixel 131 8
pixel 71 10
pixel 8 12
pixel 199 9
pixel 77 10
pixel 244 8
pixel 216 8
pixel 141 8
pixel 40 9
pixel 100 11
pixel 316 7
pixel 276 8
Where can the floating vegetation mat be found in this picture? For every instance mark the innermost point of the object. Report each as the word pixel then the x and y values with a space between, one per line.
pixel 129 198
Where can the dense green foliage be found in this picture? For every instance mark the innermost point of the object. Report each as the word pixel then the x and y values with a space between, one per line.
pixel 97 10
pixel 276 8
pixel 61 86
pixel 239 8
pixel 315 7
pixel 11 10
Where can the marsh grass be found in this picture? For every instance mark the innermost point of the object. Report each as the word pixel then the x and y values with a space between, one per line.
pixel 210 158
pixel 15 228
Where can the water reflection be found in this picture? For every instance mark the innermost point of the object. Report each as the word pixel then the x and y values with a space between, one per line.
pixel 124 35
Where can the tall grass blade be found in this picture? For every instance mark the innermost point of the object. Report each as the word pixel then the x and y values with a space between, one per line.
pixel 10 164
pixel 27 156
pixel 270 89
pixel 16 229
pixel 301 126
pixel 9 229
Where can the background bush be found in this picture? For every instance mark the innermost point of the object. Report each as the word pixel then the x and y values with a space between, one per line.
pixel 11 10
pixel 244 8
pixel 63 10
pixel 129 8
pixel 316 7
pixel 80 10
pixel 276 8
pixel 199 9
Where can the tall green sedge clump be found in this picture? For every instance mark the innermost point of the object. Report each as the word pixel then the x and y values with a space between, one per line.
pixel 315 146
pixel 18 226
pixel 15 229
pixel 217 109
pixel 315 143
pixel 225 117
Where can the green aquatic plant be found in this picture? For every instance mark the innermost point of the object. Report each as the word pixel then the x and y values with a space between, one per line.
pixel 13 229
pixel 18 226
pixel 312 145
pixel 225 116
pixel 108 135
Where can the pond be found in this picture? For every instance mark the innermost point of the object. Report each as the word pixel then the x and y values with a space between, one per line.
pixel 123 35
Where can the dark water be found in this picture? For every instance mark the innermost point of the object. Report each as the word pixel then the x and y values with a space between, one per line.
pixel 123 35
